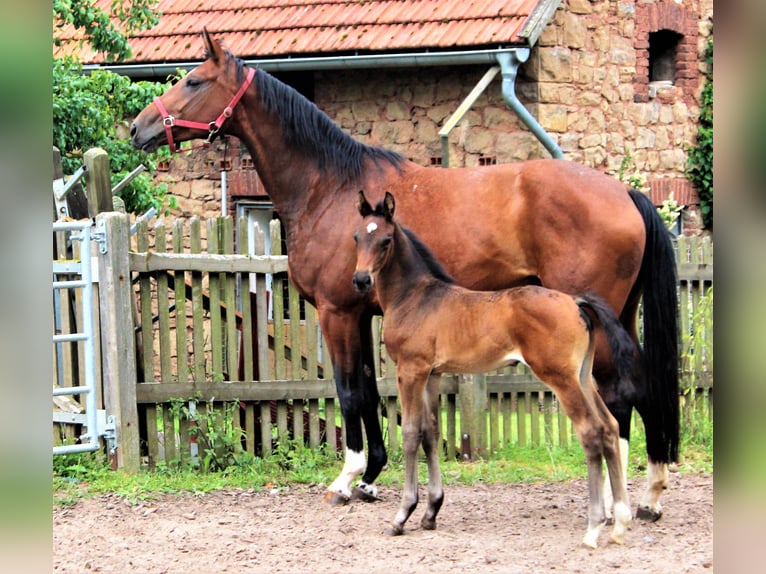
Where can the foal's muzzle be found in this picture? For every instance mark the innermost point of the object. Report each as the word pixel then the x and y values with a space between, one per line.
pixel 362 282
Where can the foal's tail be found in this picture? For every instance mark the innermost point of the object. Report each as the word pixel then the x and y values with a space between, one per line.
pixel 620 343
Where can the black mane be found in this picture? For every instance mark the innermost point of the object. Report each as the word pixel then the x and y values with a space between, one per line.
pixel 312 132
pixel 427 256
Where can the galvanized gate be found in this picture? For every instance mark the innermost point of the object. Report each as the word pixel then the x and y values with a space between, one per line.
pixel 70 274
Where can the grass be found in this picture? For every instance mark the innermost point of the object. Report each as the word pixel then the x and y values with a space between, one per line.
pixel 83 475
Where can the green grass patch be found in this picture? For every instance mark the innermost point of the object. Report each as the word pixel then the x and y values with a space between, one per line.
pixel 82 475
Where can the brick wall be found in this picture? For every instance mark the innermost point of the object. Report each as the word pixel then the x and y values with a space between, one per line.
pixel 586 83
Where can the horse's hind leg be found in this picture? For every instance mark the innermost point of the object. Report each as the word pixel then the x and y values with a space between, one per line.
pixel 617 468
pixel 431 440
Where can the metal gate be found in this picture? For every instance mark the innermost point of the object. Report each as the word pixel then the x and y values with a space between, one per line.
pixel 78 274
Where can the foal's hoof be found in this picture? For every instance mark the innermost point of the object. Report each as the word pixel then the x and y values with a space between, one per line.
pixel 335 498
pixel 428 523
pixel 646 513
pixel 361 494
pixel 395 530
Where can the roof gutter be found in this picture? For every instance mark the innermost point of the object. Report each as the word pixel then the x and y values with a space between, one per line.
pixel 294 64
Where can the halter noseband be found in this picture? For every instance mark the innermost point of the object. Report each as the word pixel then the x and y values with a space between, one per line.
pixel 213 127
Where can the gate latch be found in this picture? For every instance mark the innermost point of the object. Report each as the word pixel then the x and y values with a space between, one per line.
pixel 99 236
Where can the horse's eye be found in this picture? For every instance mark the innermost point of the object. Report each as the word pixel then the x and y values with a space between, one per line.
pixel 192 82
pixel 386 242
pixel 356 238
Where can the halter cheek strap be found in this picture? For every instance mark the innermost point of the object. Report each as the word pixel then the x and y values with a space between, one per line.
pixel 213 127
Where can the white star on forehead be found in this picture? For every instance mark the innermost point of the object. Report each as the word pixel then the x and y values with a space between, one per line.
pixel 372 226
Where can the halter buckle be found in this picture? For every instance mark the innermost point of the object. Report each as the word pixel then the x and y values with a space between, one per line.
pixel 169 121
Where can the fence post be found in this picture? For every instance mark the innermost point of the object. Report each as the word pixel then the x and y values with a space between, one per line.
pixel 472 402
pixel 99 181
pixel 117 338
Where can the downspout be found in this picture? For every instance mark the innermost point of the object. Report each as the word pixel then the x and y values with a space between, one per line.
pixel 509 65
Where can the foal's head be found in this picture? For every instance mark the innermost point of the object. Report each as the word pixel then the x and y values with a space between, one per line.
pixel 374 240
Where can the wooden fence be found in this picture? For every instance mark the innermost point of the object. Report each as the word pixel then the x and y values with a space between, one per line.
pixel 208 333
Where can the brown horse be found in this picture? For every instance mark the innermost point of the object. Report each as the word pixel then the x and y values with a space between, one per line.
pixel 433 326
pixel 549 222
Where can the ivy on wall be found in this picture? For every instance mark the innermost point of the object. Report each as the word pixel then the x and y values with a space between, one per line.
pixel 700 158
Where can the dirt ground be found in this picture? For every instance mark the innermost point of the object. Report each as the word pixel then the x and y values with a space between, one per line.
pixel 487 528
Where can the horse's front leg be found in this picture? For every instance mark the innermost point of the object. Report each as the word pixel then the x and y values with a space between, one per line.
pixel 411 396
pixel 341 332
pixel 431 446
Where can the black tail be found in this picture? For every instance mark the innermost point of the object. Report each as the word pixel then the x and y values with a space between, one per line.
pixel 658 283
pixel 620 343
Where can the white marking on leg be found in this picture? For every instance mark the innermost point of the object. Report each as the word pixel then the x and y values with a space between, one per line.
pixel 624 446
pixel 353 467
pixel 370 489
pixel 372 226
pixel 591 536
pixel 622 517
pixel 657 479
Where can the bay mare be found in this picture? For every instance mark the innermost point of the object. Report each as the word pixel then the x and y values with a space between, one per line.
pixel 433 326
pixel 549 222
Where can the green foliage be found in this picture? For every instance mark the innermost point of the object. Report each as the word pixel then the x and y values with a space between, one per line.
pixel 218 437
pixel 627 173
pixel 101 32
pixel 95 111
pixel 700 156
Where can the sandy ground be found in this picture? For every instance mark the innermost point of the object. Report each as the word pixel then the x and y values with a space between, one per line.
pixel 487 528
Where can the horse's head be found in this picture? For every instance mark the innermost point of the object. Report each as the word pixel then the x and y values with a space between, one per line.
pixel 374 240
pixel 195 107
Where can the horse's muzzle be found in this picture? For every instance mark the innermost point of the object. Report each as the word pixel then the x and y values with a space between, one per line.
pixel 362 282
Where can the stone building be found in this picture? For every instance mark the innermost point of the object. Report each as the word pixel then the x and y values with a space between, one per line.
pixel 606 80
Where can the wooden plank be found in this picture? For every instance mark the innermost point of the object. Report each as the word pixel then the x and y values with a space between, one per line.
pixel 152 435
pixel 230 299
pixel 296 346
pixel 261 311
pixel 265 429
pixel 331 428
pixel 250 428
pixel 494 416
pixel 182 358
pixel 247 318
pixel 505 412
pixel 298 420
pixel 314 430
pixel 210 263
pixel 548 435
pixel 98 181
pixel 278 305
pixel 216 324
pixel 118 342
pixel 535 417
pixel 522 407
pixel 163 309
pixel 198 307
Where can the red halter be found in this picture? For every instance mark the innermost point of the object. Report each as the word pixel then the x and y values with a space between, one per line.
pixel 212 127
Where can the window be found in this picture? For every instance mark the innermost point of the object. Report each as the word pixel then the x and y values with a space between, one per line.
pixel 663 48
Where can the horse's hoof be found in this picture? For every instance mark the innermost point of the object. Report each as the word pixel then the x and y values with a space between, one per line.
pixel 617 538
pixel 335 498
pixel 428 524
pixel 395 530
pixel 645 513
pixel 361 494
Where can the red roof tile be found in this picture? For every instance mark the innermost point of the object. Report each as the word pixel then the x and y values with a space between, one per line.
pixel 278 28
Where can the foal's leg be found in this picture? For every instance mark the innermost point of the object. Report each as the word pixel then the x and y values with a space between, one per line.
pixel 590 434
pixel 411 385
pixel 431 446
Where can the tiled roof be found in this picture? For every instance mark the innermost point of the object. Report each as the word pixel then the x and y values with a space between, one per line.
pixel 278 28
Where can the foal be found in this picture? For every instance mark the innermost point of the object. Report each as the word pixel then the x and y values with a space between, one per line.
pixel 433 326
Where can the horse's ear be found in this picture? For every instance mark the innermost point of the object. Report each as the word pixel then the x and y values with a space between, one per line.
pixel 362 205
pixel 388 207
pixel 212 48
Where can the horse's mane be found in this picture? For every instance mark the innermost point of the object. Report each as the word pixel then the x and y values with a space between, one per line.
pixel 427 257
pixel 310 130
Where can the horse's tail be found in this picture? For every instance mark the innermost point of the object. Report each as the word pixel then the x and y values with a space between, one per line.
pixel 620 344
pixel 658 283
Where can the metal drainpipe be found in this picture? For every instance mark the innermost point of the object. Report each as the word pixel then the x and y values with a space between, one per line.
pixel 509 66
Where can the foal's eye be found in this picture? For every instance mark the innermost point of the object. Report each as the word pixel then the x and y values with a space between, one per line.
pixel 386 242
pixel 356 238
pixel 192 82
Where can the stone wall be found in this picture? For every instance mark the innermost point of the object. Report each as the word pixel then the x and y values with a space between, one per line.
pixel 587 83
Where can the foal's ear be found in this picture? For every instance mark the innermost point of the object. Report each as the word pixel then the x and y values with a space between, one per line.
pixel 362 205
pixel 212 47
pixel 388 207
